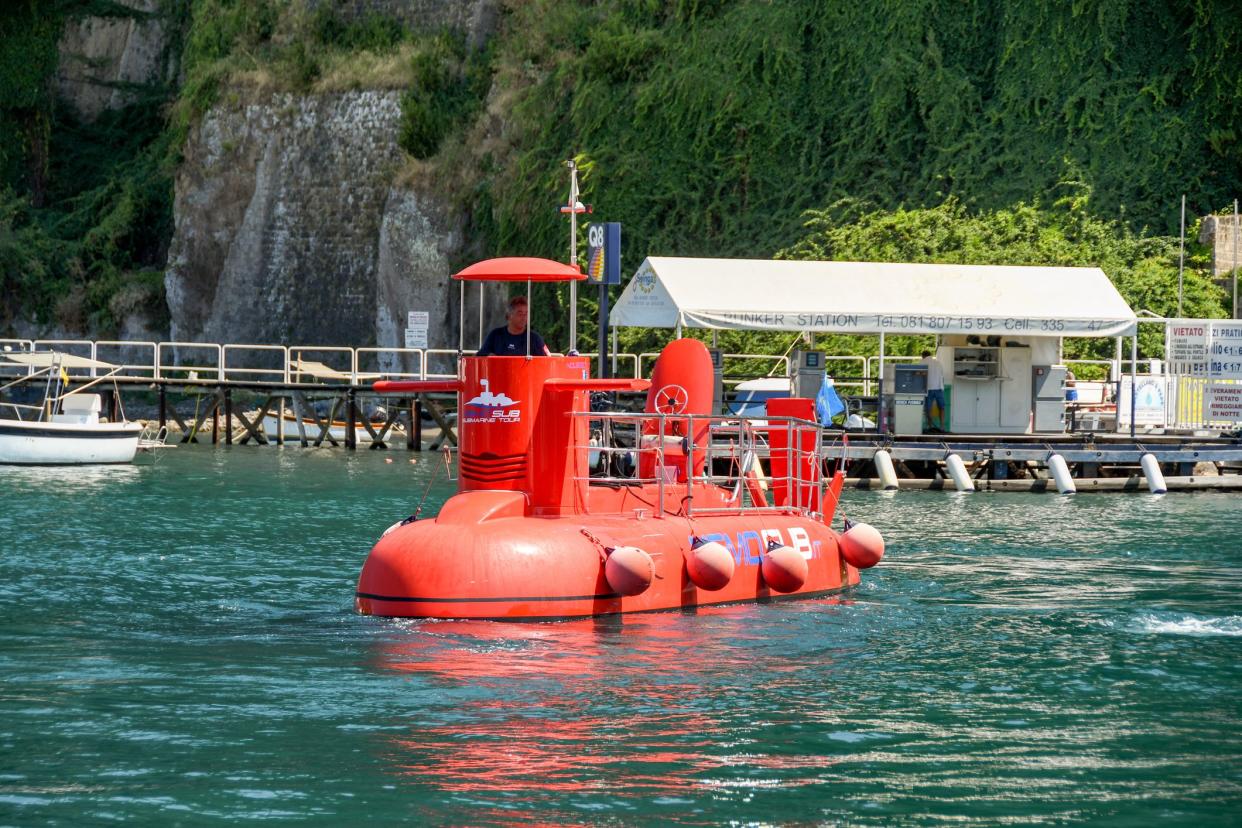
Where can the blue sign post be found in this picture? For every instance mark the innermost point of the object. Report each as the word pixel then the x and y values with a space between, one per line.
pixel 604 253
pixel 604 269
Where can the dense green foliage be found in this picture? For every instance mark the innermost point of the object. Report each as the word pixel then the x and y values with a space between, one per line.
pixel 711 127
pixel 85 209
pixel 448 84
pixel 935 128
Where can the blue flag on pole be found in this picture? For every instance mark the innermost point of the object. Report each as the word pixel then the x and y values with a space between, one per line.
pixel 827 403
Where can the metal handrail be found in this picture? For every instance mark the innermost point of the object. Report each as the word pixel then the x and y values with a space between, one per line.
pixel 434 352
pixel 869 375
pixel 302 350
pixel 593 356
pixel 218 355
pixel 10 369
pixel 783 361
pixel 161 366
pixel 716 426
pixel 414 352
pixel 89 345
pixel 145 370
pixel 283 370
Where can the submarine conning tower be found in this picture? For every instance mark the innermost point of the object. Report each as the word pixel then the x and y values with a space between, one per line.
pixel 517 429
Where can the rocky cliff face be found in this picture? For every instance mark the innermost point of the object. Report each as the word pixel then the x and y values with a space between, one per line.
pixel 288 229
pixel 101 56
pixel 476 19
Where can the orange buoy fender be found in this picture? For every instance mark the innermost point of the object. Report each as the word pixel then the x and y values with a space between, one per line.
pixel 709 565
pixel 783 567
pixel 629 570
pixel 862 545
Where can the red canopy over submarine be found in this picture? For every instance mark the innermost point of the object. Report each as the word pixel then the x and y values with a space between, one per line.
pixel 551 521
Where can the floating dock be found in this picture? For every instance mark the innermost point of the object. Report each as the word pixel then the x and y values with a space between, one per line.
pixel 1007 462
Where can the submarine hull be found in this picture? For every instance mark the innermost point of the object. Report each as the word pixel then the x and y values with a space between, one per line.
pixel 482 557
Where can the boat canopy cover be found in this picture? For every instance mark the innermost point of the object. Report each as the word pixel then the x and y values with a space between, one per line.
pixel 873 297
pixel 46 359
pixel 520 269
pixel 318 370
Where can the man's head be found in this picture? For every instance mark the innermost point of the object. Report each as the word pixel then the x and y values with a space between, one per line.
pixel 517 314
pixel 926 354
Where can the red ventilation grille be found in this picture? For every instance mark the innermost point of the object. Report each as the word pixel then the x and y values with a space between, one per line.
pixel 492 468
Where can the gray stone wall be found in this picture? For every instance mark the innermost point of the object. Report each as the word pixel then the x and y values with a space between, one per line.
pixel 1219 233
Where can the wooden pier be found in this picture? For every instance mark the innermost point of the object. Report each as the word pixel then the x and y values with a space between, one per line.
pixel 226 398
pixel 197 411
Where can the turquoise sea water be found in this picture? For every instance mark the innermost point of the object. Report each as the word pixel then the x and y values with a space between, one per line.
pixel 178 646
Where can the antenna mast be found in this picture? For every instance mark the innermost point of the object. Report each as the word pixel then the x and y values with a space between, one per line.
pixel 574 207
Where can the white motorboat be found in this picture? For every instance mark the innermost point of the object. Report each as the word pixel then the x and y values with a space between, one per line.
pixel 337 431
pixel 66 429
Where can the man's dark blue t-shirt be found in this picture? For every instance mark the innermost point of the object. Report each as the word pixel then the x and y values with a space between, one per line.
pixel 502 343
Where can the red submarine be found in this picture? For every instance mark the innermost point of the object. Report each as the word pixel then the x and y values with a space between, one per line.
pixel 565 512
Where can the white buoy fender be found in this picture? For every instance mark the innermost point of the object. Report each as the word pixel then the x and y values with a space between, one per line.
pixel 1155 477
pixel 957 471
pixel 629 570
pixel 884 468
pixel 1061 475
pixel 862 545
pixel 709 565
pixel 783 567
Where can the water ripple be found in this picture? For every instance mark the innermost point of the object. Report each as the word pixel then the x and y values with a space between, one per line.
pixel 177 643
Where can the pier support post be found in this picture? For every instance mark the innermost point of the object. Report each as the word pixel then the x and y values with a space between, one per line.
pixel 414 437
pixel 351 419
pixel 957 471
pixel 299 404
pixel 1061 475
pixel 163 406
pixel 228 416
pixel 1155 477
pixel 884 467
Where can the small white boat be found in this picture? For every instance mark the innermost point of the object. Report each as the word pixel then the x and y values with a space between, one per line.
pixel 337 430
pixel 67 429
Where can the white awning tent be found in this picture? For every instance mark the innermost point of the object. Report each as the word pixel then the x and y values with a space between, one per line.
pixel 873 297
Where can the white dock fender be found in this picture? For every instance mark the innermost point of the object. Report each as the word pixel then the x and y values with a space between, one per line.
pixel 1155 478
pixel 884 467
pixel 957 471
pixel 1061 475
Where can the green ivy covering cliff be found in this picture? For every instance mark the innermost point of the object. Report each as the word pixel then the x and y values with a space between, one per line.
pixel 708 127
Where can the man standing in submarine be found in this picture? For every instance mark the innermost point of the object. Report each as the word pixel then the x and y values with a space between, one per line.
pixel 510 339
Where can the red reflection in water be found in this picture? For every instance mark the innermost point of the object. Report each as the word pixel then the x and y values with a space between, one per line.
pixel 545 727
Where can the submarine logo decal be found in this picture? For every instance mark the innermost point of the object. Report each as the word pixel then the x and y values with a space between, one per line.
pixel 492 408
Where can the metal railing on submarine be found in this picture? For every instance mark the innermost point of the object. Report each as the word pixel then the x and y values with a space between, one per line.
pixel 733 451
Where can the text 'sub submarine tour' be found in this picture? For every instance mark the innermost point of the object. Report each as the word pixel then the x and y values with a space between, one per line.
pixel 566 512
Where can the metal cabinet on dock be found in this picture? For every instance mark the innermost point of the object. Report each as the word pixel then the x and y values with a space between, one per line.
pixel 1048 398
pixel 991 390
